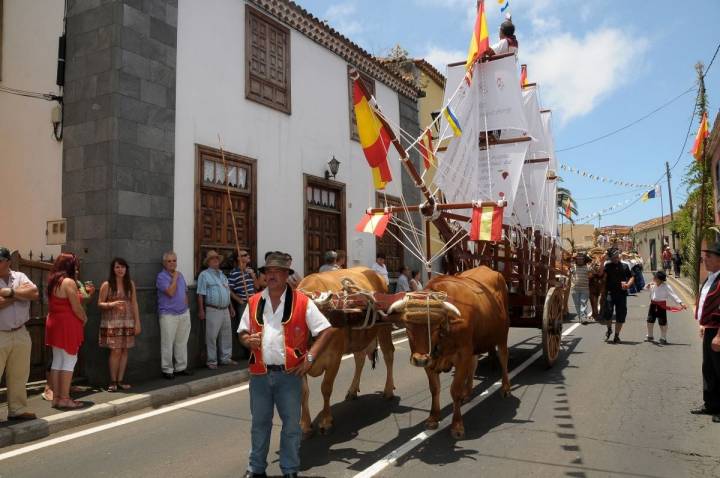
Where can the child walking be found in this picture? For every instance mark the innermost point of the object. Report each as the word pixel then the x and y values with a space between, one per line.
pixel 659 293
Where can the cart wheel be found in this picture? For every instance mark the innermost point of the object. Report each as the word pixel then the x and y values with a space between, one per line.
pixel 552 324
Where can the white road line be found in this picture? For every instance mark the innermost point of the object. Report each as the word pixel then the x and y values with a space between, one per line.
pixel 394 455
pixel 136 418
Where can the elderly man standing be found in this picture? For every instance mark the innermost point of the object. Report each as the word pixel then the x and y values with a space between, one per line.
pixel 276 327
pixel 16 292
pixel 330 264
pixel 174 318
pixel 707 313
pixel 214 305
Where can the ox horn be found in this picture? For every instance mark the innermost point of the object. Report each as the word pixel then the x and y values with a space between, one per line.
pixel 398 306
pixel 451 309
pixel 323 298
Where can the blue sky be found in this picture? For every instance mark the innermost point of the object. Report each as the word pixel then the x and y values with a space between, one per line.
pixel 600 64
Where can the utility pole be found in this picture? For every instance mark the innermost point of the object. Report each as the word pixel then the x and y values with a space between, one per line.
pixel 672 219
pixel 702 108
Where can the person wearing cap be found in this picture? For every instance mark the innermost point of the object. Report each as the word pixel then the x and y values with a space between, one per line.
pixel 276 327
pixel 508 42
pixel 707 313
pixel 618 279
pixel 581 286
pixel 215 309
pixel 660 291
pixel 16 292
pixel 330 262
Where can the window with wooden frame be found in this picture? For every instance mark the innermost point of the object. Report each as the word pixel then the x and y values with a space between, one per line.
pixel 387 244
pixel 370 85
pixel 214 225
pixel 267 61
pixel 324 220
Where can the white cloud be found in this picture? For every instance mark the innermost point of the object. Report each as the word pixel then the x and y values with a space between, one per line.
pixel 576 74
pixel 439 57
pixel 343 17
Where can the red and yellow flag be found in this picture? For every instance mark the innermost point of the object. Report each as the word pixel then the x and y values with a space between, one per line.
pixel 374 223
pixel 486 224
pixel 568 211
pixel 523 75
pixel 698 146
pixel 374 138
pixel 479 43
pixel 426 149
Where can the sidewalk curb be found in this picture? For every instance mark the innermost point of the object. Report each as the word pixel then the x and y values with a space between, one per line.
pixel 682 285
pixel 43 427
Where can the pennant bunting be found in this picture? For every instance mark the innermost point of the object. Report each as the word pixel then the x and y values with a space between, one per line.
pixel 426 149
pixel 479 43
pixel 699 145
pixel 374 138
pixel 374 223
pixel 453 122
pixel 486 223
pixel 598 178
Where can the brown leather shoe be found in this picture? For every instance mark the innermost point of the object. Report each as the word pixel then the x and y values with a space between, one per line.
pixel 23 416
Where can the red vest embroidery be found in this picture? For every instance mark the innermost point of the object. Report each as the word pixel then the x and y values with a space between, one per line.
pixel 295 329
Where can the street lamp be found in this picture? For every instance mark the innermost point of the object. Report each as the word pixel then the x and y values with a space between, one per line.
pixel 333 167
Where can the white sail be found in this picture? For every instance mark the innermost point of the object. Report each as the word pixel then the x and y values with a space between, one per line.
pixel 539 147
pixel 529 206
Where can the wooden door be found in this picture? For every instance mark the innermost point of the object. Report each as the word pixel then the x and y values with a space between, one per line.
pixel 324 220
pixel 214 225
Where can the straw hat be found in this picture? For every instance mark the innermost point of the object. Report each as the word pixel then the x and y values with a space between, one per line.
pixel 279 260
pixel 211 255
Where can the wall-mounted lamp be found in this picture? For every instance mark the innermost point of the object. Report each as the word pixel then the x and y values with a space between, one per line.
pixel 333 167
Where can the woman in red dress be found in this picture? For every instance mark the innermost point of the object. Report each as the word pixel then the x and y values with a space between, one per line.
pixel 64 329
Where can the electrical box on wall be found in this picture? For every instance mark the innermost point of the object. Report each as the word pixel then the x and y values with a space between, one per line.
pixel 56 232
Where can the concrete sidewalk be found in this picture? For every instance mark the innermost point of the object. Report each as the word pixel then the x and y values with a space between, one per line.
pixel 684 284
pixel 103 404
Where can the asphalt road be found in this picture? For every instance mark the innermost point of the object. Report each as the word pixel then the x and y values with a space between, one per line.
pixel 603 410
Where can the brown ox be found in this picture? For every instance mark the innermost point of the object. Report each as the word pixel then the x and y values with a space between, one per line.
pixel 344 339
pixel 440 339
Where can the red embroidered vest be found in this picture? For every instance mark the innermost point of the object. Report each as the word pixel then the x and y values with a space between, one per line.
pixel 296 332
pixel 711 306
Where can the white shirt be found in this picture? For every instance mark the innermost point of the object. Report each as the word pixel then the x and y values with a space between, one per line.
pixel 705 291
pixel 382 270
pixel 502 47
pixel 660 293
pixel 273 336
pixel 16 314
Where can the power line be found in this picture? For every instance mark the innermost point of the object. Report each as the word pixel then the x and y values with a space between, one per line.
pixel 633 123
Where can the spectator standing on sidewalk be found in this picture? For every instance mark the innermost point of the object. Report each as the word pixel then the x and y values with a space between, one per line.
pixel 64 328
pixel 581 287
pixel 403 280
pixel 242 286
pixel 380 267
pixel 660 291
pixel 707 313
pixel 677 263
pixel 215 308
pixel 330 262
pixel 666 260
pixel 119 320
pixel 16 292
pixel 618 279
pixel 174 318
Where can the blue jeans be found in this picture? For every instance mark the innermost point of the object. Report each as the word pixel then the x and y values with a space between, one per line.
pixel 581 298
pixel 284 391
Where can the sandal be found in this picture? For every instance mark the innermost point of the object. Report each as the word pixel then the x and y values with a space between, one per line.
pixel 69 404
pixel 124 386
pixel 112 388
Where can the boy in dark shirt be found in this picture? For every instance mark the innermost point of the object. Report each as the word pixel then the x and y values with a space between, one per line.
pixel 618 280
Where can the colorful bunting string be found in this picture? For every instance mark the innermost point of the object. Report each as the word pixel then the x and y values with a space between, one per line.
pixel 603 179
pixel 609 209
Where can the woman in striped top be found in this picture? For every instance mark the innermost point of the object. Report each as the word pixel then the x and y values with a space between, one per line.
pixel 580 287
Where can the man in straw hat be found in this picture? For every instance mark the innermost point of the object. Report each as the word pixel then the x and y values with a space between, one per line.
pixel 215 308
pixel 276 327
pixel 707 313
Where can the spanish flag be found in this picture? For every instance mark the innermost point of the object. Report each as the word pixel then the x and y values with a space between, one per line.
pixel 486 224
pixel 479 43
pixel 426 148
pixel 523 75
pixel 698 146
pixel 374 223
pixel 374 138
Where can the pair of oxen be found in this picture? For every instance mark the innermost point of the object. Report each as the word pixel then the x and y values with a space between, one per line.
pixel 449 324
